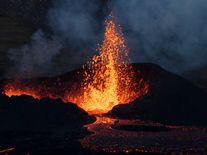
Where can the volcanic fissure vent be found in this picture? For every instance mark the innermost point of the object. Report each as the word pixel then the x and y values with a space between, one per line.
pixel 108 79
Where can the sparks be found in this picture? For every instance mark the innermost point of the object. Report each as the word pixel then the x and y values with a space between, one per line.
pixel 108 79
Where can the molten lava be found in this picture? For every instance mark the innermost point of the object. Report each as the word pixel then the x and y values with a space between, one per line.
pixel 109 80
pixel 106 80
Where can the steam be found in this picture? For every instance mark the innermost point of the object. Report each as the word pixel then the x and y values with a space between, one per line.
pixel 171 33
pixel 75 21
pixel 35 58
pixel 74 37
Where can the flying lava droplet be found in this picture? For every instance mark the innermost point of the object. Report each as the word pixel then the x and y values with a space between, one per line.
pixel 108 79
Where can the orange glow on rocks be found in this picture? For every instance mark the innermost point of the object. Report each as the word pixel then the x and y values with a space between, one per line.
pixel 106 80
pixel 12 90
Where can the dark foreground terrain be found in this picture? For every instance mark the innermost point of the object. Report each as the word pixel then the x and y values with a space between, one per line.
pixel 171 118
pixel 171 99
pixel 133 136
pixel 41 127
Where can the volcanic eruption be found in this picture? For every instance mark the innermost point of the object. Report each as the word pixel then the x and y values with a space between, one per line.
pixel 110 79
pixel 107 79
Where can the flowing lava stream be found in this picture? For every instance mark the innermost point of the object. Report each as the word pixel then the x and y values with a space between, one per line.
pixel 108 78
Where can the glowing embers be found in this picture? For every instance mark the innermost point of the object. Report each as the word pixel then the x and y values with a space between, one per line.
pixel 53 88
pixel 109 79
pixel 16 88
pixel 106 80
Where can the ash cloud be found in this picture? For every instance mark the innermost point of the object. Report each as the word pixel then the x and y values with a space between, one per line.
pixel 35 58
pixel 171 33
pixel 75 21
pixel 73 37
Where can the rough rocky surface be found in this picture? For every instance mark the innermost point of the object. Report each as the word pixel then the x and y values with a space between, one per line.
pixel 27 114
pixel 171 100
pixel 36 127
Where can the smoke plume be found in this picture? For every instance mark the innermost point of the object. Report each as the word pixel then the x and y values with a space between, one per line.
pixel 75 33
pixel 171 33
pixel 35 58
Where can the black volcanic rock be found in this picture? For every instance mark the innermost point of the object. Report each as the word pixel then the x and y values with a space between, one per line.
pixel 25 113
pixel 41 126
pixel 171 99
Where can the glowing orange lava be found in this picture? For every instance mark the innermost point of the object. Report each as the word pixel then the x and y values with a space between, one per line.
pixel 109 80
pixel 15 88
pixel 106 80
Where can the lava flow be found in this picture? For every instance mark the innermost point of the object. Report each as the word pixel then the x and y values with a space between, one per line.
pixel 107 79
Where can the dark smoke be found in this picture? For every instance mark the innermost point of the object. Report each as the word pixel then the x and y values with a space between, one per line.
pixel 35 58
pixel 75 21
pixel 171 33
pixel 75 27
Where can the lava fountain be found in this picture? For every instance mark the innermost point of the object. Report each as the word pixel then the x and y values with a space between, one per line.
pixel 107 79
